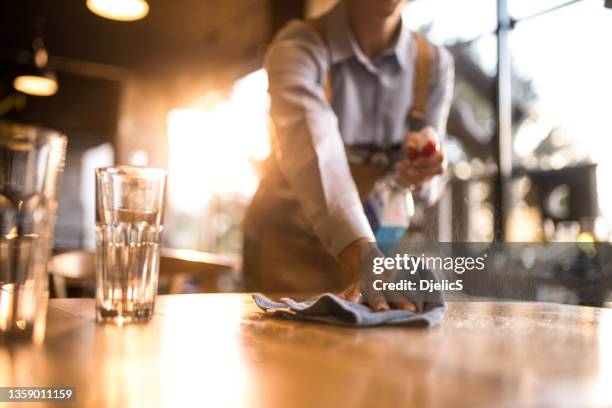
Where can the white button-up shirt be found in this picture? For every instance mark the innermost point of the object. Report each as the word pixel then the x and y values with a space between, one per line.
pixel 370 104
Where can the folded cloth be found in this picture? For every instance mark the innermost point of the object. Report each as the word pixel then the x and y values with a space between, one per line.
pixel 330 308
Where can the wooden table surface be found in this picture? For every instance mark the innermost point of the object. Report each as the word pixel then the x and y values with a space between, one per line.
pixel 219 350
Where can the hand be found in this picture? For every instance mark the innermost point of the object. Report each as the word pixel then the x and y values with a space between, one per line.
pixel 351 259
pixel 352 293
pixel 424 158
pixel 415 173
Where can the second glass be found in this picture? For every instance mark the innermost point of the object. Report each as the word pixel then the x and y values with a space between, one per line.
pixel 129 224
pixel 31 163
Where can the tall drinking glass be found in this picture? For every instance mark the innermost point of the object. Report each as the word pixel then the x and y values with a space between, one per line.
pixel 129 223
pixel 31 162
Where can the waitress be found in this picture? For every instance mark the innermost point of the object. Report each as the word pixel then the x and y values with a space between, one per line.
pixel 349 91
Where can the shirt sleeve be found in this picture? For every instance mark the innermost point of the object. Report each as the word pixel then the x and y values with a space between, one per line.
pixel 436 115
pixel 307 142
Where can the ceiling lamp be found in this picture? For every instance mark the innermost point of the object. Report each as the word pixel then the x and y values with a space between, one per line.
pixel 36 79
pixel 38 84
pixel 120 10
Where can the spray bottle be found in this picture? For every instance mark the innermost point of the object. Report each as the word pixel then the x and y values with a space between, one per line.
pixel 390 205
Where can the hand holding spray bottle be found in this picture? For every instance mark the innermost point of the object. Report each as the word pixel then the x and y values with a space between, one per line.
pixel 390 205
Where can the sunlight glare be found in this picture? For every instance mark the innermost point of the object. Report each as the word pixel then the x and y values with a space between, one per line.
pixel 213 148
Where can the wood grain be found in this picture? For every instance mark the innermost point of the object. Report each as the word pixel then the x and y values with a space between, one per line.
pixel 220 350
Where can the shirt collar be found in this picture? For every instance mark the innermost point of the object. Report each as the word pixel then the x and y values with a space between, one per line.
pixel 343 45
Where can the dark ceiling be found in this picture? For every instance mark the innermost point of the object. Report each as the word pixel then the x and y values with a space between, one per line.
pixel 176 35
pixel 190 42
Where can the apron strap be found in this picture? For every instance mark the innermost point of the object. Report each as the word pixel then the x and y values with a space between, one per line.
pixel 424 60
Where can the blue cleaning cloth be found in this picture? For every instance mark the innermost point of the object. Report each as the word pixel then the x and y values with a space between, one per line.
pixel 330 308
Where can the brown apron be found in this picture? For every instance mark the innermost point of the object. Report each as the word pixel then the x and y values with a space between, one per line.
pixel 281 253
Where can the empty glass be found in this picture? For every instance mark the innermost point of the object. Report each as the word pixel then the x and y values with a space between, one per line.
pixel 129 223
pixel 31 161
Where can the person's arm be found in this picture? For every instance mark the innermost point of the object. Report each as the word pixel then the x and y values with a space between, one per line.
pixel 309 148
pixel 436 115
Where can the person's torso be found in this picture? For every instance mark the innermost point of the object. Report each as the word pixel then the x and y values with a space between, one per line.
pixel 370 97
pixel 371 100
pixel 371 107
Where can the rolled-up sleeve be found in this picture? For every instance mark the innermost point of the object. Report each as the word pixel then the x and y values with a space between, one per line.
pixel 436 115
pixel 307 142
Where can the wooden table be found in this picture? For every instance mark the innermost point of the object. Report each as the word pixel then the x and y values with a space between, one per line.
pixel 219 350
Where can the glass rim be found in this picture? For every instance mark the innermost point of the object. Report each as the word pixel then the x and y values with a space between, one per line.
pixel 132 170
pixel 16 130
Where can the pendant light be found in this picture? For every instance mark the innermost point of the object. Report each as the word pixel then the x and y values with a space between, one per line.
pixel 120 10
pixel 35 79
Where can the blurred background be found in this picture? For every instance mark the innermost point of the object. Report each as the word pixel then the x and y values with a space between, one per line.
pixel 178 84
